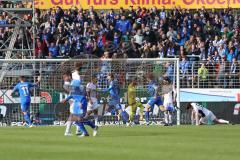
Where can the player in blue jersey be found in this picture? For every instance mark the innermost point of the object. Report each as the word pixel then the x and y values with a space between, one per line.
pixel 24 89
pixel 114 98
pixel 78 111
pixel 155 98
pixel 73 87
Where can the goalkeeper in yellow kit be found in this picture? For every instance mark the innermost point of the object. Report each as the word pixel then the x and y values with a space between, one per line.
pixel 132 102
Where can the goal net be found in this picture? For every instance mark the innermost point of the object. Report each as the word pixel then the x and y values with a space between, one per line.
pixel 45 107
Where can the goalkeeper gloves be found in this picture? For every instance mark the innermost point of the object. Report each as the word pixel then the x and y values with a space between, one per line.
pixel 162 108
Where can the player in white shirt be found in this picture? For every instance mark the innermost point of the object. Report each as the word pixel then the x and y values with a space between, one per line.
pixel 202 115
pixel 67 86
pixel 76 78
pixel 92 96
pixel 76 72
pixel 72 78
pixel 169 97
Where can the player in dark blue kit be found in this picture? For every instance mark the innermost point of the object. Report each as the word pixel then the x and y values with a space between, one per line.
pixel 153 90
pixel 23 89
pixel 114 101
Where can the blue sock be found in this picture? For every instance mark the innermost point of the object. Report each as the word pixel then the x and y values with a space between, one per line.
pixel 82 128
pixel 27 119
pixel 90 123
pixel 147 116
pixel 113 112
pixel 124 116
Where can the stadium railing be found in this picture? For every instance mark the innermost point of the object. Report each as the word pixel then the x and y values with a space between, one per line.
pixel 217 76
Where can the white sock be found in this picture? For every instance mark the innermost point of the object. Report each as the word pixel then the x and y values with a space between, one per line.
pixel 68 127
pixel 96 119
pixel 223 121
pixel 166 118
pixel 170 118
pixel 77 129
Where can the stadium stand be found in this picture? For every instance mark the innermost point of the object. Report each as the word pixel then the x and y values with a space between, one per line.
pixel 139 33
pixel 206 41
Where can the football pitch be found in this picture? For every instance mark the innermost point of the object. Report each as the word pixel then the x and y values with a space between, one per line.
pixel 122 143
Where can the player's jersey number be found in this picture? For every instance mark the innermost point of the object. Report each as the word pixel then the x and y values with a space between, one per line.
pixel 25 90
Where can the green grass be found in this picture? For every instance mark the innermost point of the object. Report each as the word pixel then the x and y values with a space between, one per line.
pixel 121 143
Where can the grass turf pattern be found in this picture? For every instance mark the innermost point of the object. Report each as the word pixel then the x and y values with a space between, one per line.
pixel 122 143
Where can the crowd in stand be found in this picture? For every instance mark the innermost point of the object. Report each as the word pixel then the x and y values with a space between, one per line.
pixel 138 33
pixel 209 36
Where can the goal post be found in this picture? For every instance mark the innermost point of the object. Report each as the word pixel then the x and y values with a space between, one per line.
pixel 51 90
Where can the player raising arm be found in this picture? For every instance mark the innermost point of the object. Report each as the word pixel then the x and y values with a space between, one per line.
pixel 202 115
pixel 23 88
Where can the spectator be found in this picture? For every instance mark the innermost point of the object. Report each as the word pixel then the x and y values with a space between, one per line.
pixel 53 50
pixel 40 49
pixel 216 42
pixel 208 28
pixel 222 73
pixel 110 33
pixel 189 43
pixel 65 49
pixel 106 66
pixel 210 66
pixel 169 72
pixel 90 47
pixel 138 38
pixel 161 51
pixel 171 33
pixel 171 51
pixel 179 41
pixel 203 76
pixel 230 54
pixel 2 20
pixel 149 35
pixel 194 52
pixel 153 52
pixel 216 56
pixel 221 51
pixel 116 39
pixel 123 25
pixel 202 50
pixel 184 67
pixel 211 48
pixel 163 14
pixel 234 74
